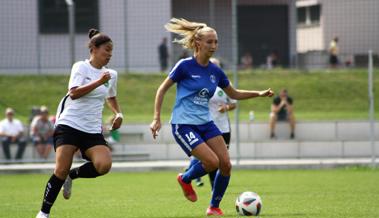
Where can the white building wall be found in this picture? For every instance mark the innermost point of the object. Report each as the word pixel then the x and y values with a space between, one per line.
pixel 18 25
pixel 354 22
pixel 310 39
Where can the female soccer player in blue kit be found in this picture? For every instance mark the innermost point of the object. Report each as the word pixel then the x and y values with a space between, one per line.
pixel 192 127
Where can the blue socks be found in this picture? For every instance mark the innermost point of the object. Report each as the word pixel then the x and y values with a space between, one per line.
pixel 220 184
pixel 196 170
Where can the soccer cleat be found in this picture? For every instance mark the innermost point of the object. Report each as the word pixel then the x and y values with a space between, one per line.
pixel 42 215
pixel 188 191
pixel 67 188
pixel 214 211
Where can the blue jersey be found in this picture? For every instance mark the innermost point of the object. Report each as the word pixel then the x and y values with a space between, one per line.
pixel 196 84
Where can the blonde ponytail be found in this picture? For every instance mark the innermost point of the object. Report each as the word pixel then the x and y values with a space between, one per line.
pixel 190 31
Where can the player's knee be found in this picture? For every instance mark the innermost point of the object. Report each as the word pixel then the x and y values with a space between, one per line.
pixel 211 164
pixel 61 173
pixel 226 168
pixel 103 167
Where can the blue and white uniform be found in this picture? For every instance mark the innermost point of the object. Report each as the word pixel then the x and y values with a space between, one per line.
pixel 191 120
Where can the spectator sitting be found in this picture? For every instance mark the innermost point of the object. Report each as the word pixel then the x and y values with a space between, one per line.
pixel 41 131
pixel 11 132
pixel 282 110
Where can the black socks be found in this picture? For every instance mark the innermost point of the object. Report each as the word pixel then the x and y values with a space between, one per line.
pixel 52 189
pixel 86 170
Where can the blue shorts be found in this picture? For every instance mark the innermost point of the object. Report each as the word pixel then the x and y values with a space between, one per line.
pixel 190 136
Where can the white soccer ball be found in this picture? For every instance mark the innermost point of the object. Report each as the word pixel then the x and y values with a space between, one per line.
pixel 248 204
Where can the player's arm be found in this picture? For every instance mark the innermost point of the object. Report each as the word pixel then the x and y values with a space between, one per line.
pixel 239 94
pixel 227 107
pixel 79 91
pixel 115 107
pixel 156 124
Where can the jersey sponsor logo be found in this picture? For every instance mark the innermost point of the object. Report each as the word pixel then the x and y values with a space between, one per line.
pixel 202 97
pixel 204 93
pixel 195 76
pixel 212 78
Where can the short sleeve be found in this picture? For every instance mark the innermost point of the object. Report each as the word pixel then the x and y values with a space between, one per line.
pixel 177 73
pixel 223 81
pixel 112 91
pixel 276 101
pixel 77 76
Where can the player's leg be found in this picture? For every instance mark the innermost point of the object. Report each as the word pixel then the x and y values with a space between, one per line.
pixel 226 136
pixel 273 119
pixel 64 156
pixel 100 164
pixel 217 144
pixel 194 161
pixel 208 162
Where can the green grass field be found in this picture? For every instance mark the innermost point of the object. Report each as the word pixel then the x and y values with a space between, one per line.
pixel 319 95
pixel 335 193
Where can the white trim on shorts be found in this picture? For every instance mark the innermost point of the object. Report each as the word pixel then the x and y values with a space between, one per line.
pixel 181 138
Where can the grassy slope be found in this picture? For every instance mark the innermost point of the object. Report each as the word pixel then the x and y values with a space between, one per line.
pixel 337 193
pixel 317 95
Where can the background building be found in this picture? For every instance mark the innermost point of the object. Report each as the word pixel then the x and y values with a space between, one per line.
pixel 35 35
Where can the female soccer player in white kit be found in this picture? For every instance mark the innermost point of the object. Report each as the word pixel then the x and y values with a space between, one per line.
pixel 197 78
pixel 79 121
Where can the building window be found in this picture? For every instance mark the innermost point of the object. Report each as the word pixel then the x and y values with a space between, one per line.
pixel 53 16
pixel 308 15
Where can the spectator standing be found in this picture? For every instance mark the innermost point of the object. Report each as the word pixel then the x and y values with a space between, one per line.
pixel 41 132
pixel 333 53
pixel 282 110
pixel 12 132
pixel 163 54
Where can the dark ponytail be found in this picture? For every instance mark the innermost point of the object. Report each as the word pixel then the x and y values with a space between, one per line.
pixel 97 38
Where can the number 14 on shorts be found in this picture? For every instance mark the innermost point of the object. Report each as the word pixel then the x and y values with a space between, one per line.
pixel 191 138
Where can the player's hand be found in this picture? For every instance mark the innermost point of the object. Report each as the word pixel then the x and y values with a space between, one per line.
pixel 223 108
pixel 116 124
pixel 155 126
pixel 105 77
pixel 266 93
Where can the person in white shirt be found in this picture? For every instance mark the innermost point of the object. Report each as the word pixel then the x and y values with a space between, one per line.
pixel 79 121
pixel 12 132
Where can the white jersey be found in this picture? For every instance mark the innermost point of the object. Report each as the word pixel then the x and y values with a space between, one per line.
pixel 85 113
pixel 220 119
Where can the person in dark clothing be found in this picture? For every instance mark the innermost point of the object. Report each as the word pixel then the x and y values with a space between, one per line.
pixel 163 54
pixel 282 110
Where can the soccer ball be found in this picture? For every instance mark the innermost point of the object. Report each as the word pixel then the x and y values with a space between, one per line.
pixel 248 204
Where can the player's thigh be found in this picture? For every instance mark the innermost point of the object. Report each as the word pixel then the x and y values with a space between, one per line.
pixel 63 158
pixel 101 157
pixel 205 154
pixel 218 146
